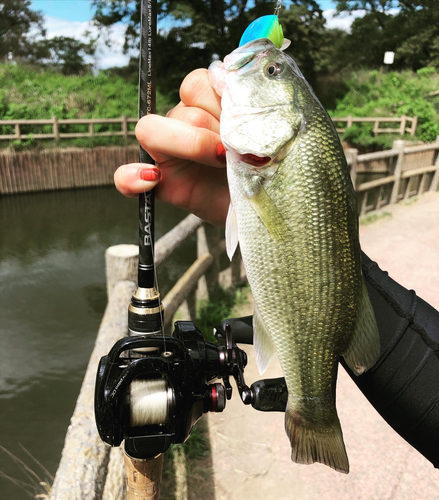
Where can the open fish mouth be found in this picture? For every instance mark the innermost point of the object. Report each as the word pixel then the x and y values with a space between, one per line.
pixel 254 160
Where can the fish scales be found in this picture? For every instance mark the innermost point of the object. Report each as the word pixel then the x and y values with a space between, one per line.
pixel 297 225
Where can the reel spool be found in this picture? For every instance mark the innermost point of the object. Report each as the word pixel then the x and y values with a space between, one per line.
pixel 150 402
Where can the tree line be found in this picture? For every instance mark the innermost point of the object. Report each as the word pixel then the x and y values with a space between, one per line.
pixel 200 30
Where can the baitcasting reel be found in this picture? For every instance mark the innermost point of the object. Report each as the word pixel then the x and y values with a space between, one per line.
pixel 152 389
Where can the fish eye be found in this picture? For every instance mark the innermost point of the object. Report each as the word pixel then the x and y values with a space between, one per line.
pixel 274 69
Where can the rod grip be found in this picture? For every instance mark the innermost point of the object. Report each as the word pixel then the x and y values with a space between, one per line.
pixel 143 477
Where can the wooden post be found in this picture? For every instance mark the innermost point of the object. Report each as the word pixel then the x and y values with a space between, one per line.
pixel 208 240
pixel 414 125
pixel 399 146
pixel 422 184
pixel 55 128
pixel 407 188
pixel 91 129
pixel 379 201
pixel 121 265
pixel 435 181
pixel 402 126
pixel 352 154
pixel 17 131
pixel 191 302
pixel 376 127
pixel 124 127
pixel 349 122
pixel 363 208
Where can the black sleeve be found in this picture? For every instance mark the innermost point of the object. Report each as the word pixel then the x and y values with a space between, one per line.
pixel 403 386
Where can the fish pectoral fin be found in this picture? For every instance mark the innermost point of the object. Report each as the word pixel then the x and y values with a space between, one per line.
pixel 264 347
pixel 232 239
pixel 364 348
pixel 267 211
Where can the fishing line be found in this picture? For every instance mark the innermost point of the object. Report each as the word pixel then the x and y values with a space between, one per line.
pixel 149 402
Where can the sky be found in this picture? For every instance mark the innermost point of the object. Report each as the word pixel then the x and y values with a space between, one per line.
pixel 72 18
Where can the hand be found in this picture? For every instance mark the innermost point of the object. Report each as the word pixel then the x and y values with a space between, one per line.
pixel 187 148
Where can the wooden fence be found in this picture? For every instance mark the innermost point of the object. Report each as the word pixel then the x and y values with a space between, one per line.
pixel 88 467
pixel 407 170
pixel 55 124
pixel 58 127
pixel 67 168
pixel 401 130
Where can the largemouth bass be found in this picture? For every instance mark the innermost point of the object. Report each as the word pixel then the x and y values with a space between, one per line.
pixel 293 211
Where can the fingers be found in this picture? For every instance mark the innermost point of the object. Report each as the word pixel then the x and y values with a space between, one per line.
pixel 136 178
pixel 196 91
pixel 196 117
pixel 166 138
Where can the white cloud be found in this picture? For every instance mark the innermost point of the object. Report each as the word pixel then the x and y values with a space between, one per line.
pixel 342 21
pixel 106 56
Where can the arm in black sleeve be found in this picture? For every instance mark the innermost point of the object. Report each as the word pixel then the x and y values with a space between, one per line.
pixel 403 386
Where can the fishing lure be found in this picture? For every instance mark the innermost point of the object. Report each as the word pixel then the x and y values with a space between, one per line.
pixel 266 27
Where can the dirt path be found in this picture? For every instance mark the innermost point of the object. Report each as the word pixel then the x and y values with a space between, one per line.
pixel 251 456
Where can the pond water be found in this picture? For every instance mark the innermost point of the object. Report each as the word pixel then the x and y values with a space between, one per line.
pixel 52 298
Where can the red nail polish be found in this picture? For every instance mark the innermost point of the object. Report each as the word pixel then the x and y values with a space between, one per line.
pixel 220 152
pixel 150 174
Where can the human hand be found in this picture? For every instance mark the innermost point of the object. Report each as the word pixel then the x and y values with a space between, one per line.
pixel 187 148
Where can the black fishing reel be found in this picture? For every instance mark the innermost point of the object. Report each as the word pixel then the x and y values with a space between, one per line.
pixel 152 389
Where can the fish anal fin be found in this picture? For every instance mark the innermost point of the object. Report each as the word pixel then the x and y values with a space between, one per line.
pixel 316 443
pixel 364 348
pixel 232 238
pixel 264 347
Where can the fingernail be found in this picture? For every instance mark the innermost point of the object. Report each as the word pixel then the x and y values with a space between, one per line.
pixel 220 152
pixel 150 174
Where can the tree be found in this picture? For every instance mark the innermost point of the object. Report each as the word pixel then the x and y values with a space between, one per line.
pixel 16 22
pixel 68 54
pixel 410 28
pixel 204 29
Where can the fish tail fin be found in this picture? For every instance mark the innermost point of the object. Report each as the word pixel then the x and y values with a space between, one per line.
pixel 316 443
pixel 364 348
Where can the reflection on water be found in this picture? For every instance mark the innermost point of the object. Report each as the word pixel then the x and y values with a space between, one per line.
pixel 52 297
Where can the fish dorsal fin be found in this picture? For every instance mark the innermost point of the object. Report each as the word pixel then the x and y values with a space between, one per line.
pixel 264 347
pixel 364 348
pixel 232 239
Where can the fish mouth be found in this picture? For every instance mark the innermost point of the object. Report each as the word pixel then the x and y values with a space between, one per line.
pixel 254 160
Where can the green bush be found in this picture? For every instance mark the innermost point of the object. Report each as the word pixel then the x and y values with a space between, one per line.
pixel 374 93
pixel 29 92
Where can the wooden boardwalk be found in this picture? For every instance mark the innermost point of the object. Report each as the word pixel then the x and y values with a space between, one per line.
pixel 250 451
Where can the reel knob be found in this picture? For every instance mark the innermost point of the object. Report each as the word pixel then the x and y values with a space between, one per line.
pixel 217 397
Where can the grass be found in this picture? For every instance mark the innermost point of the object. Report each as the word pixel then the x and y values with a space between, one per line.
pixel 219 307
pixel 409 201
pixel 366 220
pixel 34 485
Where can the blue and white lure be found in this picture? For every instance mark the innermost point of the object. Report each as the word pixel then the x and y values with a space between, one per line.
pixel 265 27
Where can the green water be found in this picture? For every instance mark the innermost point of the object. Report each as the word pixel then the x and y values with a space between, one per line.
pixel 52 298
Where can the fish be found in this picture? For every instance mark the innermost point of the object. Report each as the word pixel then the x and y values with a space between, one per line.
pixel 293 212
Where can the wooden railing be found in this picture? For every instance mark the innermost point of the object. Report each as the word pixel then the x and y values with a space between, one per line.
pixel 55 123
pixel 401 179
pixel 88 467
pixel 401 130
